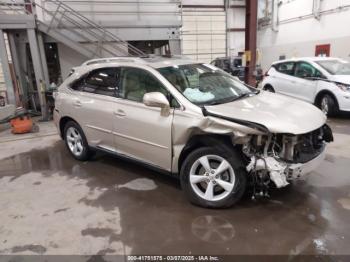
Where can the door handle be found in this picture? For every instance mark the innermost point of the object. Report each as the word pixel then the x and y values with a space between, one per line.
pixel 119 112
pixel 77 103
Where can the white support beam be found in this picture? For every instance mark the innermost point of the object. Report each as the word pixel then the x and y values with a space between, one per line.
pixel 6 70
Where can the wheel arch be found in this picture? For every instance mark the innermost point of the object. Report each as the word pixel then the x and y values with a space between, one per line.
pixel 268 85
pixel 63 121
pixel 204 140
pixel 322 93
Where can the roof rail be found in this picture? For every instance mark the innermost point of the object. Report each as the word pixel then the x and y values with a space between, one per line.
pixel 113 59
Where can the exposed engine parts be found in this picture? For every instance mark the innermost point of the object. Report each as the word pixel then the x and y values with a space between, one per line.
pixel 275 169
pixel 270 156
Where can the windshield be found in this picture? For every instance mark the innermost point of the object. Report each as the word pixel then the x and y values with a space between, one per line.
pixel 335 67
pixel 205 84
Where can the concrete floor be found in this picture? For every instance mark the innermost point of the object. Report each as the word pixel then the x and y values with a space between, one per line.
pixel 53 204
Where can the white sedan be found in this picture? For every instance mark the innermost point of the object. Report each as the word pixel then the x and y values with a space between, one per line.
pixel 322 81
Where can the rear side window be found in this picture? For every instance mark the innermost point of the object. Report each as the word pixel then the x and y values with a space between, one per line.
pixel 103 81
pixel 78 84
pixel 285 68
pixel 225 64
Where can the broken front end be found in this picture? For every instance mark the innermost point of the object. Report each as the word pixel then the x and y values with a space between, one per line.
pixel 281 158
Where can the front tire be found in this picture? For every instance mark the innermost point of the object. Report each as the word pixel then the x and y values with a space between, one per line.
pixel 76 141
pixel 328 105
pixel 213 177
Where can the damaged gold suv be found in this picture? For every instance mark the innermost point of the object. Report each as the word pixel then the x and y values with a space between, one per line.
pixel 192 120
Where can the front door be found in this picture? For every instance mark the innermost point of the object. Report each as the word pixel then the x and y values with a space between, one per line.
pixel 140 131
pixel 305 82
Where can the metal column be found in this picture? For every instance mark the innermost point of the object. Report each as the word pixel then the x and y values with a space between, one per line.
pixel 39 75
pixel 16 64
pixel 250 39
pixel 43 59
pixel 227 8
pixel 6 70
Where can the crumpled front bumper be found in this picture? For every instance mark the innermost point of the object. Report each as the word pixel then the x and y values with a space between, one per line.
pixel 281 173
pixel 295 171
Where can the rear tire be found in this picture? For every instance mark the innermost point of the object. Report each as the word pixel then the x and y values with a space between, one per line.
pixel 328 105
pixel 269 88
pixel 76 141
pixel 213 177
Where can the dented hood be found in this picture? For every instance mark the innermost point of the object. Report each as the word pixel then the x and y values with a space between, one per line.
pixel 278 113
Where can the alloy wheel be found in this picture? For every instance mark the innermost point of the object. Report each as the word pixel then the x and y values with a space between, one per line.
pixel 212 177
pixel 74 141
pixel 324 105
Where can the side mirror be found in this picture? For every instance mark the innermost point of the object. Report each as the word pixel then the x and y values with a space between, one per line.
pixel 155 99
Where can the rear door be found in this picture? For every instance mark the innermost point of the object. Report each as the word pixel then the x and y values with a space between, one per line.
pixel 305 87
pixel 93 105
pixel 283 78
pixel 140 131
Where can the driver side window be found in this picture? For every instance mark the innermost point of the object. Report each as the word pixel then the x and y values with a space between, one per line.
pixel 305 70
pixel 136 82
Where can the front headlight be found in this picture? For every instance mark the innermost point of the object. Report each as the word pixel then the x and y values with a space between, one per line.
pixel 343 87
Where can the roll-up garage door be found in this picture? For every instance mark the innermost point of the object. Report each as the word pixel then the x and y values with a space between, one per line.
pixel 204 33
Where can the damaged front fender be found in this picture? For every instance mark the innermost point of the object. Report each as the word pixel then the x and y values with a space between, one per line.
pixel 187 125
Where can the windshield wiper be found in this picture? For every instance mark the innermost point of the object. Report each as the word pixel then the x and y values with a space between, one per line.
pixel 231 99
pixel 245 95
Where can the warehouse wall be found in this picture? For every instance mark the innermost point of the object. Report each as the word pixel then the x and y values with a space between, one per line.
pixel 299 31
pixel 203 35
pixel 69 58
